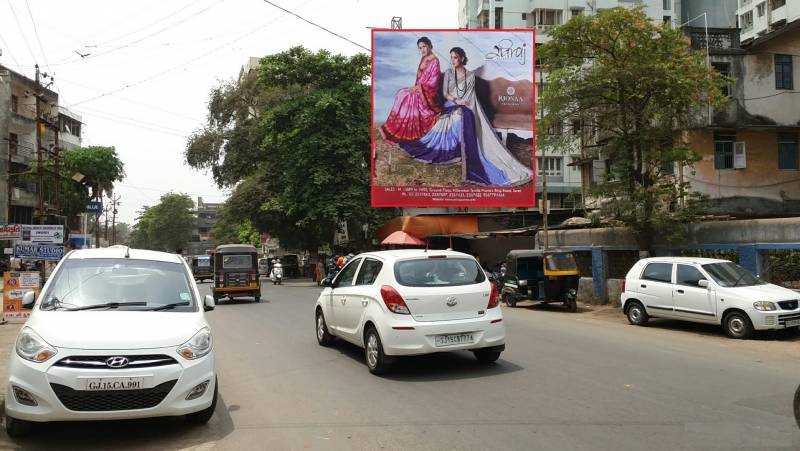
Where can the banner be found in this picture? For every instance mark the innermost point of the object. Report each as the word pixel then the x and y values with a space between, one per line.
pixel 11 232
pixel 38 252
pixel 453 118
pixel 53 234
pixel 15 285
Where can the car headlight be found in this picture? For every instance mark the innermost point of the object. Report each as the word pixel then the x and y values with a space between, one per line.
pixel 30 346
pixel 522 283
pixel 764 306
pixel 197 346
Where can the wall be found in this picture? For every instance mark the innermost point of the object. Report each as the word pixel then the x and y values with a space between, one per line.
pixel 721 13
pixel 779 106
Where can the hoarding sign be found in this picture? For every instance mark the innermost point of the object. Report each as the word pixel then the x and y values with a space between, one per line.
pixel 15 285
pixel 33 233
pixel 453 118
pixel 94 206
pixel 11 232
pixel 80 240
pixel 38 251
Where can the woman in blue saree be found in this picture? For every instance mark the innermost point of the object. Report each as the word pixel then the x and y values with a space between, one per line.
pixel 463 133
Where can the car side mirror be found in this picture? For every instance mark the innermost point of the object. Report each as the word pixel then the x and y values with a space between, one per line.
pixel 327 282
pixel 28 299
pixel 208 303
pixel 702 283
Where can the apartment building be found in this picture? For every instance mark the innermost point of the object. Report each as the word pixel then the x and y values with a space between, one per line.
pixel 201 234
pixel 758 18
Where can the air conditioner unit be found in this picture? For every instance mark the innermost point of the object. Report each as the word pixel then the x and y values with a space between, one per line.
pixel 739 155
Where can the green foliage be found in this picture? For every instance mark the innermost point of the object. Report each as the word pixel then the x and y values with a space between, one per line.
pixel 293 140
pixel 166 226
pixel 99 164
pixel 637 87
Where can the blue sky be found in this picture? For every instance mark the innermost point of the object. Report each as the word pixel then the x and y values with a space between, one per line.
pixel 396 58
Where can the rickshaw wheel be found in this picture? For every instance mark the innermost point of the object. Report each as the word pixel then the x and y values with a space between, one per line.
pixel 571 305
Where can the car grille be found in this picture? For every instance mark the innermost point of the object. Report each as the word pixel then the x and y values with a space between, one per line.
pixel 788 305
pixel 99 361
pixel 791 317
pixel 100 401
pixel 237 280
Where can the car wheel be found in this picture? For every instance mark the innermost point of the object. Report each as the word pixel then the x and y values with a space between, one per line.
pixel 486 355
pixel 738 325
pixel 571 305
pixel 17 428
pixel 377 362
pixel 509 300
pixel 797 406
pixel 257 297
pixel 204 415
pixel 324 338
pixel 636 314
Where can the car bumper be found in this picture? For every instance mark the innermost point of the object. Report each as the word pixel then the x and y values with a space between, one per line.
pixel 488 332
pixel 36 379
pixel 774 320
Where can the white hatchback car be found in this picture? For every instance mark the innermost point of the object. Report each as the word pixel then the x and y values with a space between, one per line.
pixel 709 291
pixel 412 302
pixel 117 333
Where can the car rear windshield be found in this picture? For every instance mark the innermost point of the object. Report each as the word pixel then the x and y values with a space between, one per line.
pixel 93 281
pixel 236 261
pixel 438 272
pixel 204 261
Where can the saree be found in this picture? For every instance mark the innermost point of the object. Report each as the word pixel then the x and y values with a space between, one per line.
pixel 414 110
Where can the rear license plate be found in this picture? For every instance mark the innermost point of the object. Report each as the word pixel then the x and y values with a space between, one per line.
pixel 793 323
pixel 452 339
pixel 113 383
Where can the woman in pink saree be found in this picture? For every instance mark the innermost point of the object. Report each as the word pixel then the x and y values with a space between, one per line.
pixel 415 109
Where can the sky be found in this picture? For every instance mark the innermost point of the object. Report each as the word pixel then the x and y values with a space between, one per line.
pixel 148 66
pixel 397 58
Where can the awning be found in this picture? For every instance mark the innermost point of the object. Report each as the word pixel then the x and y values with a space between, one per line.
pixel 403 239
pixel 425 226
pixel 522 231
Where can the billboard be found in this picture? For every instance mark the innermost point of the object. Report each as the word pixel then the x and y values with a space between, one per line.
pixel 15 285
pixel 38 251
pixel 52 234
pixel 453 118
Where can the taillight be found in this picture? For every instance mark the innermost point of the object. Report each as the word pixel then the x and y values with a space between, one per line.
pixel 394 302
pixel 493 297
pixel 622 285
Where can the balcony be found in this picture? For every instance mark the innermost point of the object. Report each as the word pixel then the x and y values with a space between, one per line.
pixel 779 14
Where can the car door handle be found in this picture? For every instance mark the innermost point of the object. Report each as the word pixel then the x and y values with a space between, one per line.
pixel 644 286
pixel 343 299
pixel 679 291
pixel 364 303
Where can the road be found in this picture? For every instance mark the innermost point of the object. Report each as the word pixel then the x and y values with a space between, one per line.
pixel 567 381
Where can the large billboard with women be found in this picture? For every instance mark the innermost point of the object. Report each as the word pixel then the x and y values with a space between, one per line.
pixel 453 118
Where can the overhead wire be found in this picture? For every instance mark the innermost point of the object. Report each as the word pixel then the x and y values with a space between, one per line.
pixel 8 50
pixel 36 33
pixel 167 16
pixel 316 25
pixel 21 31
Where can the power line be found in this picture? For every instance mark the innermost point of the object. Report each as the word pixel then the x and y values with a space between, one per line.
pixel 138 121
pixel 16 19
pixel 316 25
pixel 8 50
pixel 170 14
pixel 137 124
pixel 36 33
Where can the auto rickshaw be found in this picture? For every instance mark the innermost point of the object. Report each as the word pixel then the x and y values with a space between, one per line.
pixel 236 272
pixel 201 267
pixel 537 275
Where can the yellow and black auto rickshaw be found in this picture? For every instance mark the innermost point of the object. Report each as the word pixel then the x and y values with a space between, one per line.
pixel 236 272
pixel 538 275
pixel 201 267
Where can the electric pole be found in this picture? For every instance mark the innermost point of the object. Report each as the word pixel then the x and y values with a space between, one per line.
pixel 40 176
pixel 114 203
pixel 545 205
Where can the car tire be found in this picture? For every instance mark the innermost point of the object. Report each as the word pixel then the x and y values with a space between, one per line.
pixel 324 338
pixel 571 305
pixel 509 300
pixel 17 428
pixel 377 362
pixel 636 313
pixel 257 297
pixel 738 325
pixel 797 406
pixel 486 356
pixel 202 417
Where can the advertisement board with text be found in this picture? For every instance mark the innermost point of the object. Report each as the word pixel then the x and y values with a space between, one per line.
pixel 15 285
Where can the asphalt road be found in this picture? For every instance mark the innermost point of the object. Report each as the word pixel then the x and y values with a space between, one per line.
pixel 567 381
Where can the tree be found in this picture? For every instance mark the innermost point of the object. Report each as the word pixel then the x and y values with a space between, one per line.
pixel 166 226
pixel 100 166
pixel 639 87
pixel 294 141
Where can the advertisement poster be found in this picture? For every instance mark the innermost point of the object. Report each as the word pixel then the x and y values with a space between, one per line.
pixel 38 252
pixel 15 285
pixel 453 118
pixel 10 232
pixel 52 234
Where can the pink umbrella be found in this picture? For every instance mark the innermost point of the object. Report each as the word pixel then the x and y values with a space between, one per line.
pixel 401 238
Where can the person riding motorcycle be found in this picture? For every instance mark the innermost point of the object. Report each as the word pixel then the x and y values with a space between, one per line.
pixel 276 274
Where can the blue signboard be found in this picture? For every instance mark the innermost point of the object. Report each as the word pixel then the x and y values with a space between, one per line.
pixel 94 206
pixel 38 252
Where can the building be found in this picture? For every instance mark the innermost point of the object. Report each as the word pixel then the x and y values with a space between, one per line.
pixel 750 154
pixel 69 125
pixel 206 214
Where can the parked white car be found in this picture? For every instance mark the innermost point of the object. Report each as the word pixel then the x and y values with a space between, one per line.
pixel 709 291
pixel 412 302
pixel 117 333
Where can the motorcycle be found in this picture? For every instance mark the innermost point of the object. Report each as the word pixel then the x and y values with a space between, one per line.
pixel 276 275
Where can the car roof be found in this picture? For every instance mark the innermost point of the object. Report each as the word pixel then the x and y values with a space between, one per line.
pixel 397 254
pixel 235 248
pixel 122 251
pixel 698 260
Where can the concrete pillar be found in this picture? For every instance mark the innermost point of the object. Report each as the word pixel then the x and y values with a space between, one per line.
pixel 599 272
pixel 750 258
pixel 5 121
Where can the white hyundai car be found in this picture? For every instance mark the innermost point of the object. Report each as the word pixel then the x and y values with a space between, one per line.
pixel 412 302
pixel 705 290
pixel 117 333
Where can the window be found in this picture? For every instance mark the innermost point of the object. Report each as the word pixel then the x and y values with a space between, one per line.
pixel 438 272
pixel 237 262
pixel 761 8
pixel 658 272
pixel 346 275
pixel 551 166
pixel 667 20
pixel 777 3
pixel 13 143
pixel 573 161
pixel 667 5
pixel 576 126
pixel 788 151
pixel 369 272
pixel 14 104
pixel 729 274
pixel 783 72
pixel 576 12
pixel 724 69
pixel 554 128
pixel 723 151
pixel 746 20
pixel 498 17
pixel 548 17
pixel 524 16
pixel 689 276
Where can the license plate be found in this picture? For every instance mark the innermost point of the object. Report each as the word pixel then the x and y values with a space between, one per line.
pixel 453 339
pixel 113 383
pixel 793 323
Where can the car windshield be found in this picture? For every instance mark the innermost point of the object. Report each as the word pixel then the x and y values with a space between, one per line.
pixel 88 282
pixel 204 262
pixel 561 262
pixel 438 272
pixel 729 274
pixel 236 261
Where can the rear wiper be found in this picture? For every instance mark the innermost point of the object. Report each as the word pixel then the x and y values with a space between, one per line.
pixel 169 306
pixel 107 305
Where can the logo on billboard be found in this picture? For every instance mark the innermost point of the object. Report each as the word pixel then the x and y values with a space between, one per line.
pixel 504 50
